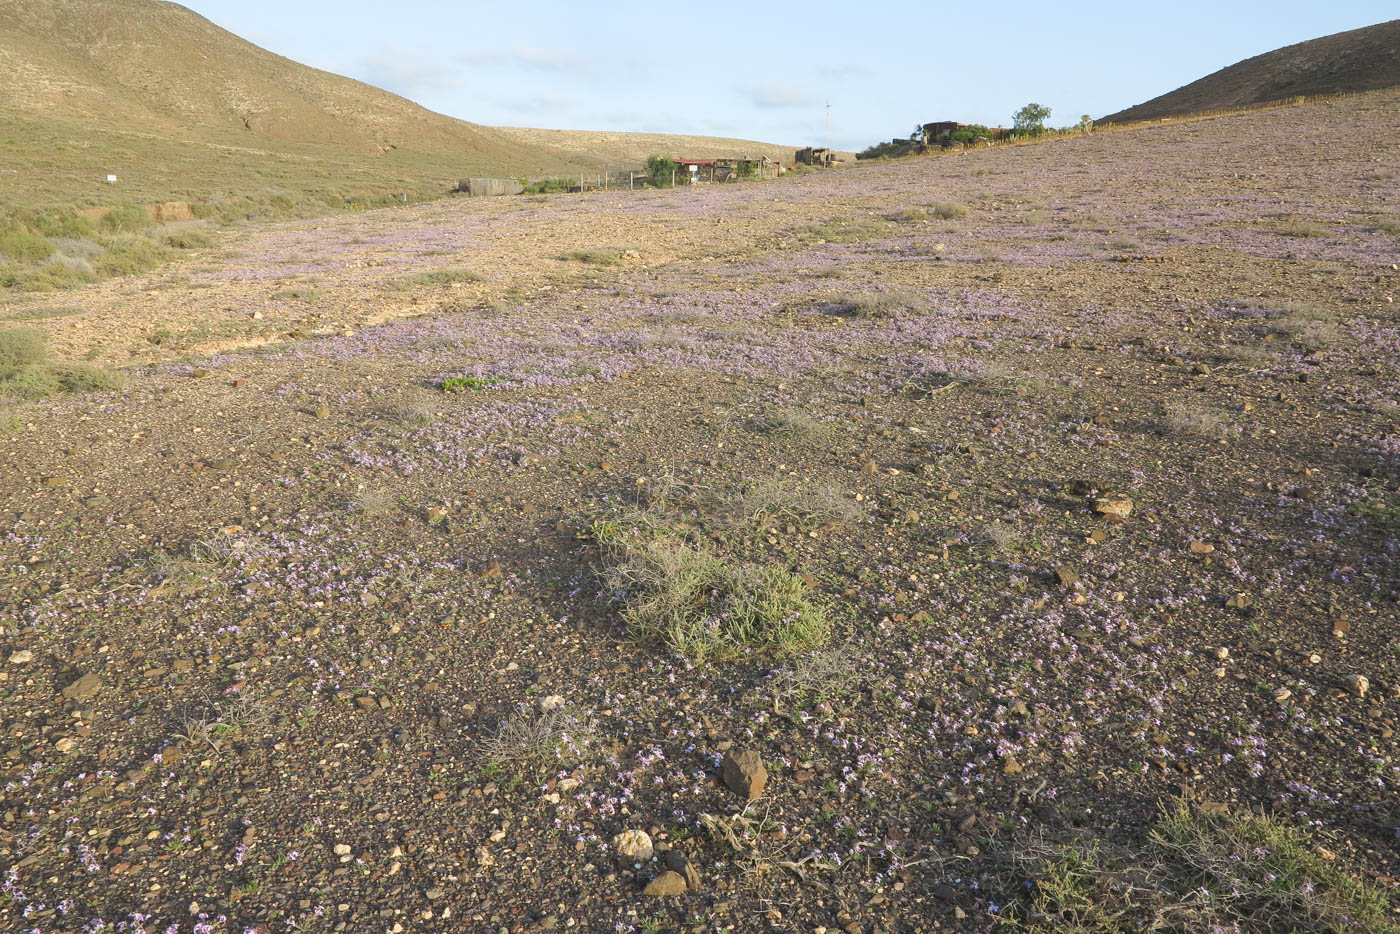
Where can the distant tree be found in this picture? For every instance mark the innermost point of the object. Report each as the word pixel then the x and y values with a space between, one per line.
pixel 1030 120
pixel 918 134
pixel 1086 124
pixel 661 170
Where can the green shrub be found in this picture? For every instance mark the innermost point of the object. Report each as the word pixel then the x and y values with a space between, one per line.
pixel 187 239
pixel 56 222
pixel 24 247
pixel 595 257
pixel 949 210
pixel 661 170
pixel 128 218
pixel 550 186
pixel 463 383
pixel 21 347
pixel 130 254
pixel 704 608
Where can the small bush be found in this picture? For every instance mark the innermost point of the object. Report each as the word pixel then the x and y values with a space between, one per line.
pixel 550 186
pixel 449 276
pixel 950 210
pixel 129 218
pixel 1303 229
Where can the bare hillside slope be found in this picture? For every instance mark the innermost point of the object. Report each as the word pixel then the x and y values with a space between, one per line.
pixel 1357 60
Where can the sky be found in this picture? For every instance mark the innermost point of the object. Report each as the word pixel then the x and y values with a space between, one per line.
pixel 796 73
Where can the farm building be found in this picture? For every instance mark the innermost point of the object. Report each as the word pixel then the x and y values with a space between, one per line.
pixel 726 169
pixel 487 187
pixel 815 156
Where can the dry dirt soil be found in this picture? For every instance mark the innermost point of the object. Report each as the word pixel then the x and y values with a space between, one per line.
pixel 293 638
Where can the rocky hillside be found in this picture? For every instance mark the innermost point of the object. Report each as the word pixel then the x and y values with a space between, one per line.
pixel 1356 60
pixel 177 107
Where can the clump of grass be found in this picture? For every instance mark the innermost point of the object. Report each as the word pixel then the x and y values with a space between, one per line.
pixel 780 502
pixel 1303 229
pixel 949 210
pixel 536 740
pixel 1185 419
pixel 937 374
pixel 703 607
pixel 128 218
pixel 1308 326
pixel 469 383
pixel 603 256
pixel 879 305
pixel 242 714
pixel 371 502
pixel 27 371
pixel 788 423
pixel 914 215
pixel 1000 537
pixel 43 313
pixel 299 293
pixel 187 238
pixel 21 246
pixel 1200 871
pixel 820 673
pixel 842 230
pixel 449 276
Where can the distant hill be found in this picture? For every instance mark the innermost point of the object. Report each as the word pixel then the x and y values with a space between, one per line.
pixel 1358 60
pixel 616 149
pixel 177 107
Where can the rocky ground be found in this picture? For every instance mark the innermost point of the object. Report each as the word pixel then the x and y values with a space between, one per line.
pixel 1077 465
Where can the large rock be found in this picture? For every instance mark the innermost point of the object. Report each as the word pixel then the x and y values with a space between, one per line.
pixel 85 687
pixel 668 883
pixel 633 846
pixel 744 774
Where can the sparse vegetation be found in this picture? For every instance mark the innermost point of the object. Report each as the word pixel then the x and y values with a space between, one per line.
pixel 879 305
pixel 451 276
pixel 469 383
pixel 28 370
pixel 1201 871
pixel 949 210
pixel 595 257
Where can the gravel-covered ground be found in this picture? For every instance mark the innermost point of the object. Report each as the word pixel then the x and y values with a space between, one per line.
pixel 1084 459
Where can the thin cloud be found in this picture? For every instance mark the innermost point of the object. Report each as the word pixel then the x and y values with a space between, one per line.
pixel 403 73
pixel 542 102
pixel 774 96
pixel 844 71
pixel 528 58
